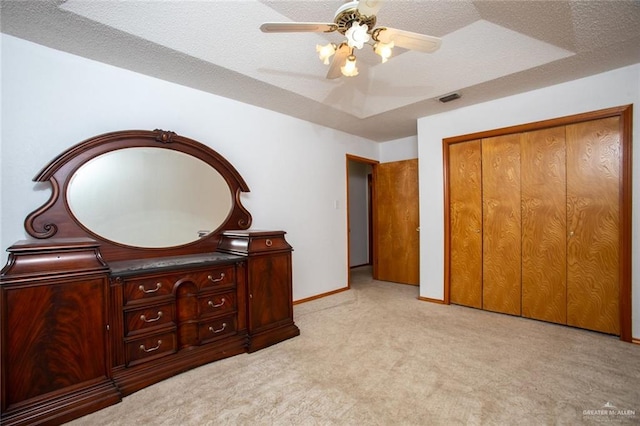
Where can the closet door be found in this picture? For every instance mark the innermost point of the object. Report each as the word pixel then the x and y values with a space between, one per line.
pixel 544 225
pixel 465 218
pixel 593 214
pixel 501 290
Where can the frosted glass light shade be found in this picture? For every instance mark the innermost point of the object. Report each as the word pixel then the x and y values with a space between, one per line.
pixel 384 50
pixel 349 69
pixel 325 52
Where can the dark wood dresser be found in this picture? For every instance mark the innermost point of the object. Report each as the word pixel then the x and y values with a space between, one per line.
pixel 88 318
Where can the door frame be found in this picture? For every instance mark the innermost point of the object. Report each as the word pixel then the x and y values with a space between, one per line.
pixel 372 209
pixel 625 113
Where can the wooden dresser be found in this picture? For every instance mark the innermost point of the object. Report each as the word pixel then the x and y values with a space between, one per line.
pixel 88 319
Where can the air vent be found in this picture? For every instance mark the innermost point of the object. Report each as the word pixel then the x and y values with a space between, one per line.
pixel 449 98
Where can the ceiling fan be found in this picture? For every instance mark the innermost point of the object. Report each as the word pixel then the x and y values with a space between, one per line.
pixel 356 20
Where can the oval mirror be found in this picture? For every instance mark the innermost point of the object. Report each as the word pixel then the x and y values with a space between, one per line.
pixel 149 197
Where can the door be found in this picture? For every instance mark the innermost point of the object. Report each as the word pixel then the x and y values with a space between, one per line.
pixel 465 218
pixel 556 221
pixel 55 338
pixel 544 225
pixel 501 238
pixel 593 211
pixel 397 221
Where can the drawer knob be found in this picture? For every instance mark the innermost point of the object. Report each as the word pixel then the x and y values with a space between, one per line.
pixel 155 348
pixel 144 317
pixel 268 242
pixel 221 329
pixel 217 305
pixel 216 280
pixel 153 290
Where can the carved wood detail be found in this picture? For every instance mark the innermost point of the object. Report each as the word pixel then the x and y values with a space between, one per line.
pixel 54 217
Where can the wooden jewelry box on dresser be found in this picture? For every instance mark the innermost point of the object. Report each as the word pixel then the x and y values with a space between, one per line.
pixel 141 266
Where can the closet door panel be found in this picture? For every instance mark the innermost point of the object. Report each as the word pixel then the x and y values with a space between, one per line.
pixel 543 180
pixel 501 224
pixel 465 216
pixel 593 212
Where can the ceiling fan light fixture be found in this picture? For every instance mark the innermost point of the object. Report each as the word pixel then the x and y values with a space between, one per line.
pixel 350 69
pixel 356 20
pixel 384 50
pixel 325 52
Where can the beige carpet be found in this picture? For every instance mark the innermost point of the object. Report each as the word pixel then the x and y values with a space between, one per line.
pixel 375 355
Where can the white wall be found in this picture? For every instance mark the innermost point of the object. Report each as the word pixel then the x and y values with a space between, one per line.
pixel 615 88
pixel 399 149
pixel 295 169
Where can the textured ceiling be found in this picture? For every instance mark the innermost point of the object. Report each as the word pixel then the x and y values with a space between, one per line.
pixel 490 49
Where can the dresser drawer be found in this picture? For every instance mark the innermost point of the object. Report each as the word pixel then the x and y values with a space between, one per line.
pixel 216 328
pixel 150 348
pixel 217 304
pixel 147 288
pixel 217 277
pixel 144 319
pixel 140 289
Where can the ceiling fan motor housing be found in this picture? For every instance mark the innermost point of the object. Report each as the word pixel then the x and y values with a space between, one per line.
pixel 348 13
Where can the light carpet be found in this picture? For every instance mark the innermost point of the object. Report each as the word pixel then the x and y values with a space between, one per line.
pixel 376 355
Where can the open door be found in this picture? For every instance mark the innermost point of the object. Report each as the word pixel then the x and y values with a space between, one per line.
pixel 396 222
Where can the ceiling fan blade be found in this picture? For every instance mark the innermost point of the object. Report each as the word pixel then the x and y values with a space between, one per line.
pixel 409 40
pixel 297 27
pixel 369 7
pixel 339 59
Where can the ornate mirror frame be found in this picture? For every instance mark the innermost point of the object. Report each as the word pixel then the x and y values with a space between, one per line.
pixel 54 219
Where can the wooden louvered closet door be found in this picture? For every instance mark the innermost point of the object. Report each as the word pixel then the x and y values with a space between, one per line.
pixel 465 213
pixel 501 277
pixel 544 225
pixel 593 212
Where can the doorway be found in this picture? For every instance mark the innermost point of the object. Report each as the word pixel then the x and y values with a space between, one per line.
pixel 383 219
pixel 360 211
